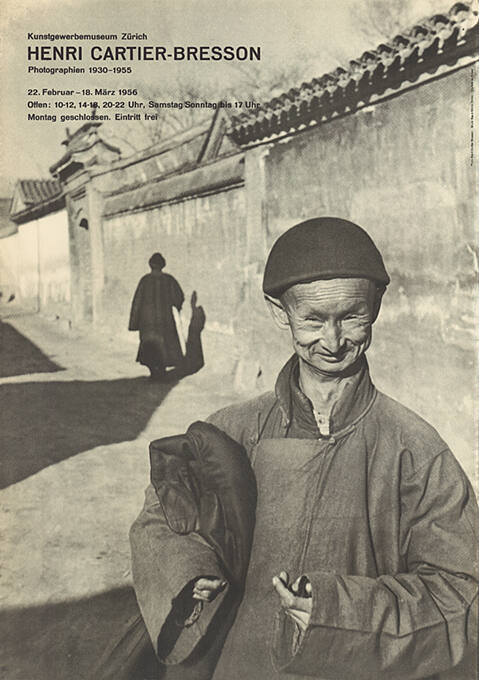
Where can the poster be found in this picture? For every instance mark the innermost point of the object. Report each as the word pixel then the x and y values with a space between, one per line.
pixel 203 130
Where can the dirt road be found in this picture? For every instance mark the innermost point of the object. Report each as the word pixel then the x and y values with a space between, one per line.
pixel 76 417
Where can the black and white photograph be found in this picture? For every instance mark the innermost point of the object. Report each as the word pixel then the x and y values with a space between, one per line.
pixel 239 272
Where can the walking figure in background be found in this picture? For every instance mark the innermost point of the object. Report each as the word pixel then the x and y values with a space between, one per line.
pixel 152 314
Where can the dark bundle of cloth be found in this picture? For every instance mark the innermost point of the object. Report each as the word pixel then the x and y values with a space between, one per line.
pixel 205 484
pixel 207 490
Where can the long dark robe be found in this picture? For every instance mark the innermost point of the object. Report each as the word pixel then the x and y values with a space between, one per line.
pixel 152 314
pixel 378 515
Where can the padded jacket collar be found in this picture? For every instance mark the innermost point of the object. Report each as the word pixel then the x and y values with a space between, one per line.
pixel 354 402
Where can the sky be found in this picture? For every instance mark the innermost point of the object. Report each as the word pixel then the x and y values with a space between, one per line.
pixel 312 36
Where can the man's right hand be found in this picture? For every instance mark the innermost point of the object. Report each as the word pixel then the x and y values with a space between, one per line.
pixel 206 589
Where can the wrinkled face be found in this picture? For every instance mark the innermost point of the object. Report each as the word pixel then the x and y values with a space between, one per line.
pixel 330 321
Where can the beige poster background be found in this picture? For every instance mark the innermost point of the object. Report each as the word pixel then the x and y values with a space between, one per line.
pixel 83 211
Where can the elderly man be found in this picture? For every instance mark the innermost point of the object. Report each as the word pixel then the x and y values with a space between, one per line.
pixel 363 562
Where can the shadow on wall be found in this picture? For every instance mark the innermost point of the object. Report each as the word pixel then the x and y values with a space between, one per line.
pixel 65 640
pixel 194 360
pixel 19 356
pixel 42 423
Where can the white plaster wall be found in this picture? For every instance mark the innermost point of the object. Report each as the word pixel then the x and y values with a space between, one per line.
pixel 54 260
pixel 9 266
pixel 27 263
pixel 35 265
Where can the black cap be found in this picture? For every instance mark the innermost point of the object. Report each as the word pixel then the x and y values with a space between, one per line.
pixel 157 260
pixel 322 248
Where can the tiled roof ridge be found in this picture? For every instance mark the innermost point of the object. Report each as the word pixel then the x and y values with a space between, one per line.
pixel 37 179
pixel 439 39
pixel 35 191
pixel 38 197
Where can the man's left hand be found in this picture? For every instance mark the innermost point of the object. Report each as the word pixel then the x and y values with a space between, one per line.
pixel 297 607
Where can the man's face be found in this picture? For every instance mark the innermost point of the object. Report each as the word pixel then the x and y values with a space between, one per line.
pixel 330 321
